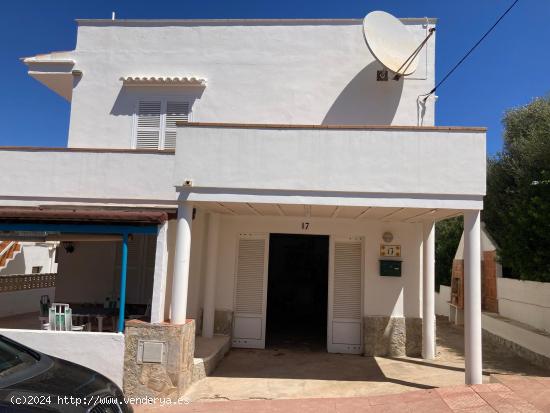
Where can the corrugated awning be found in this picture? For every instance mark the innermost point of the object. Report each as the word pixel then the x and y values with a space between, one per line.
pixel 163 80
pixel 145 217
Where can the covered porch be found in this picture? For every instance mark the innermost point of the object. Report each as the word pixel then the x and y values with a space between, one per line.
pixel 350 184
pixel 105 268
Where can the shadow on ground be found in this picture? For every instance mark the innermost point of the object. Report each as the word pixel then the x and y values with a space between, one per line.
pixel 298 373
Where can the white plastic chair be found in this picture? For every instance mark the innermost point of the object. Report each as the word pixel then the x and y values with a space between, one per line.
pixel 61 319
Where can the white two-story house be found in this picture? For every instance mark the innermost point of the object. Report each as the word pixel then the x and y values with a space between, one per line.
pixel 267 185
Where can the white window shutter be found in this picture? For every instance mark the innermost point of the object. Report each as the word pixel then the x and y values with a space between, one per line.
pixel 175 112
pixel 148 125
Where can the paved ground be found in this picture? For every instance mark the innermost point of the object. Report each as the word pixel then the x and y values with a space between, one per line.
pixel 516 395
pixel 290 373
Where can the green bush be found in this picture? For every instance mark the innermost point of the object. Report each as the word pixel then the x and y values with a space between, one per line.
pixel 447 238
pixel 517 205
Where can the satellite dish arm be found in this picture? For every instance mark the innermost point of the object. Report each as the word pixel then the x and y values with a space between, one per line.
pixel 413 55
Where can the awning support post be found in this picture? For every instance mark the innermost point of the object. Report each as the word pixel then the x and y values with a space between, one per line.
pixel 123 270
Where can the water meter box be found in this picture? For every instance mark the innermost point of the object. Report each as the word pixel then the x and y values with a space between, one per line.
pixel 390 268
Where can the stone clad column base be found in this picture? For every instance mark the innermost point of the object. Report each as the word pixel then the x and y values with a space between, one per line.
pixel 392 336
pixel 171 377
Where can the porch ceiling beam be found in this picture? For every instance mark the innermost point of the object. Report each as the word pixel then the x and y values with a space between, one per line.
pixel 429 212
pixel 392 213
pixel 363 213
pixel 254 210
pixel 227 208
pixel 281 211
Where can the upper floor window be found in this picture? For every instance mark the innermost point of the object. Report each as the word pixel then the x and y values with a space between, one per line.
pixel 155 122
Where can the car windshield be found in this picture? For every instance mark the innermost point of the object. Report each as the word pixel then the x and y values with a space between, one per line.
pixel 13 357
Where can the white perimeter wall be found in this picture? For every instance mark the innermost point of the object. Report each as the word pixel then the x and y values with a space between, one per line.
pixel 525 301
pixel 395 296
pixel 102 352
pixel 285 72
pixel 442 299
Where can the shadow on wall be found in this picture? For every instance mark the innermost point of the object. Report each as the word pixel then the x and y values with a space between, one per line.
pixel 128 96
pixel 365 101
pixel 16 265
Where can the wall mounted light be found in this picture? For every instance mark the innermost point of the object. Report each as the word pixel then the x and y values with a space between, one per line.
pixel 387 236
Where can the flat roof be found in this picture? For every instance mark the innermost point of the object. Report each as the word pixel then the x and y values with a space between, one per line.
pixel 228 22
pixel 87 150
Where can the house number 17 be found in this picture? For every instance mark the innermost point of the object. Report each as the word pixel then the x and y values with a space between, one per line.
pixel 305 225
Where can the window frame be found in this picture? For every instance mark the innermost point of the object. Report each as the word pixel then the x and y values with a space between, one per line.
pixel 164 99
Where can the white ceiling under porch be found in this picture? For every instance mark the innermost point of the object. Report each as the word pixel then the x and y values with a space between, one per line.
pixel 386 214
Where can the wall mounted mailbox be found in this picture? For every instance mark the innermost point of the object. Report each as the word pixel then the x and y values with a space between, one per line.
pixel 390 268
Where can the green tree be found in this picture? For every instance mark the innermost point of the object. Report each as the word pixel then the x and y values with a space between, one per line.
pixel 447 237
pixel 517 205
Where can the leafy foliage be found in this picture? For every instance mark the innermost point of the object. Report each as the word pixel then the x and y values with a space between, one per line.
pixel 447 237
pixel 517 205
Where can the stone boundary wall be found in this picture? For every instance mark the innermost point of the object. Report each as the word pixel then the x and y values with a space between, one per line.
pixel 174 374
pixel 392 336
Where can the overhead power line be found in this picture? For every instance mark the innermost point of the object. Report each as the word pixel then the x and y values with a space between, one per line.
pixel 427 95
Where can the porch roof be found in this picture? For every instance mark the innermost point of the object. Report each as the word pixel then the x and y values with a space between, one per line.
pixel 384 214
pixel 127 216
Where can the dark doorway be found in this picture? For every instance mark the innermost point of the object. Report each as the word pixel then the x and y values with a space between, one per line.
pixel 297 291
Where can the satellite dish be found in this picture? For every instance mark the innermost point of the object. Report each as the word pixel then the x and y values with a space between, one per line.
pixel 391 43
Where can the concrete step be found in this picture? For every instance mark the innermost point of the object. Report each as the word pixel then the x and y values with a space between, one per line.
pixel 208 353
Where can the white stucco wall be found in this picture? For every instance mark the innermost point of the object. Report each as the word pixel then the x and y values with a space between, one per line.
pixel 92 272
pixel 316 72
pixel 524 337
pixel 525 301
pixel 88 274
pixel 32 255
pixel 418 161
pixel 382 295
pixel 442 299
pixel 102 352
pixel 80 176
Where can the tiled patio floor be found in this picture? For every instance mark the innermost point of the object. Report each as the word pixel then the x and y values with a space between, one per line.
pixel 513 394
pixel 27 321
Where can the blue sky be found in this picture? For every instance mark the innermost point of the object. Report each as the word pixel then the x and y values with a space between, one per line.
pixel 509 69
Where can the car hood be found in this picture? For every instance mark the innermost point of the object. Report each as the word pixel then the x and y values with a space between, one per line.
pixel 54 376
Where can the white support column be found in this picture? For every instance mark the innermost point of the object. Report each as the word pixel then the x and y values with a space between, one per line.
pixel 428 291
pixel 160 275
pixel 209 304
pixel 182 258
pixel 472 297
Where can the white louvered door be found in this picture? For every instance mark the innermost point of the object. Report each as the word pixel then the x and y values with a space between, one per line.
pixel 148 124
pixel 250 291
pixel 345 330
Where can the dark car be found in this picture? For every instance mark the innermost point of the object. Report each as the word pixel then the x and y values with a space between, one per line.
pixel 32 381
